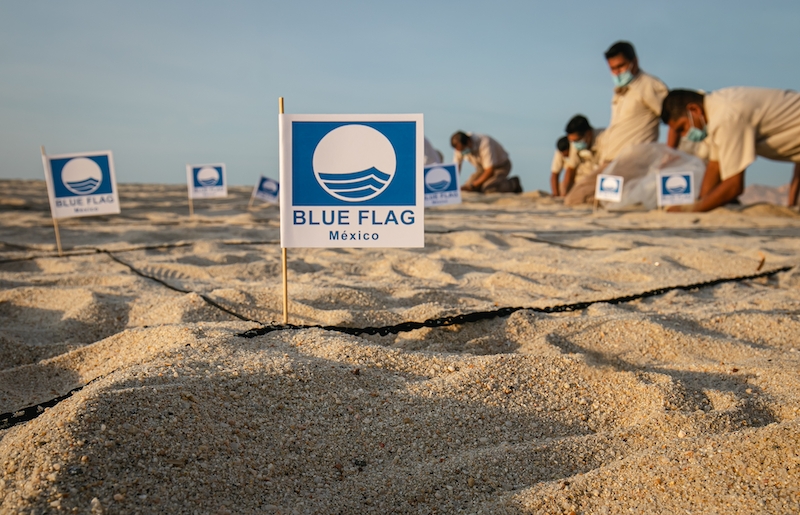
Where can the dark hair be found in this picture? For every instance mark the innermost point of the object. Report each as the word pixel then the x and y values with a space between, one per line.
pixel 578 125
pixel 674 104
pixel 562 144
pixel 460 137
pixel 621 47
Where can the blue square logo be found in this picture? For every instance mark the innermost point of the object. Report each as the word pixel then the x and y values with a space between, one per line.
pixel 440 178
pixel 207 176
pixel 609 184
pixel 354 163
pixel 676 184
pixel 81 176
pixel 269 187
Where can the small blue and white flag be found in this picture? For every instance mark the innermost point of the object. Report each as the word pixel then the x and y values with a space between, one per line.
pixel 81 184
pixel 609 187
pixel 207 181
pixel 352 180
pixel 676 188
pixel 441 185
pixel 267 190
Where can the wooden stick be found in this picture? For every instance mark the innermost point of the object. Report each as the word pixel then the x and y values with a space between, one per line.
pixel 284 265
pixel 191 207
pixel 250 204
pixel 58 236
pixel 55 221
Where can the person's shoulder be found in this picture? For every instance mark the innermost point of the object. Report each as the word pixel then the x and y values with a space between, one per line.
pixel 649 80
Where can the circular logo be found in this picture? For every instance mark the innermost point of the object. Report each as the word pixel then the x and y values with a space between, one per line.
pixel 269 186
pixel 437 179
pixel 676 184
pixel 81 176
pixel 354 163
pixel 208 176
pixel 609 184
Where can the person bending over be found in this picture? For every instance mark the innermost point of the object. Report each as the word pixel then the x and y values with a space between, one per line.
pixel 490 160
pixel 584 155
pixel 738 124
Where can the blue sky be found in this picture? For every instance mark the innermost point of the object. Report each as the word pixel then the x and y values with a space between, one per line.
pixel 163 84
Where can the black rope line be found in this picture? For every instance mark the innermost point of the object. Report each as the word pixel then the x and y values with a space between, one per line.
pixel 207 299
pixel 478 316
pixel 14 418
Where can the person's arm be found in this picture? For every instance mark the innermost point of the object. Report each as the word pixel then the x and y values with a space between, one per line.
pixel 476 184
pixel 794 187
pixel 569 179
pixel 724 192
pixel 710 178
pixel 673 138
pixel 554 183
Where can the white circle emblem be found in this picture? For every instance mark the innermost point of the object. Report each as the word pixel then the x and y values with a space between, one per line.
pixel 208 176
pixel 609 184
pixel 81 176
pixel 354 163
pixel 677 184
pixel 437 179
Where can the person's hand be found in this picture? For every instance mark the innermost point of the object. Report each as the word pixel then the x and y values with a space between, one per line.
pixel 686 208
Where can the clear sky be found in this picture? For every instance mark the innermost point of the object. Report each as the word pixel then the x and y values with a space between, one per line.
pixel 165 83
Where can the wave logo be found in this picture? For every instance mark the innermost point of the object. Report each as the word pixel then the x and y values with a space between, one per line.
pixel 438 179
pixel 609 184
pixel 208 176
pixel 81 176
pixel 269 186
pixel 676 184
pixel 354 163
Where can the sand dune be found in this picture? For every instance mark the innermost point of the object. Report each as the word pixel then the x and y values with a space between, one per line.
pixel 685 401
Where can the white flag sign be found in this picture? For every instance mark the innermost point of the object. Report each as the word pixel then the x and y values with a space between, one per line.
pixel 676 188
pixel 267 190
pixel 441 185
pixel 351 180
pixel 207 181
pixel 609 187
pixel 81 184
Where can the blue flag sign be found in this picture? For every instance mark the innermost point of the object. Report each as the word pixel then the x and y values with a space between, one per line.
pixel 81 184
pixel 352 181
pixel 267 190
pixel 609 187
pixel 676 188
pixel 207 181
pixel 441 185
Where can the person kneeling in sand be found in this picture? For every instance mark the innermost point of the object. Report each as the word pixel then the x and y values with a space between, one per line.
pixel 490 160
pixel 583 163
pixel 558 164
pixel 738 123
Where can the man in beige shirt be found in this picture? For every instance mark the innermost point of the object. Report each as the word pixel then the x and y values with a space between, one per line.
pixel 490 160
pixel 585 154
pixel 558 164
pixel 636 104
pixel 738 124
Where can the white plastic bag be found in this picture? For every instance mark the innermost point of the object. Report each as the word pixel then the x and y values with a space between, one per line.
pixel 640 166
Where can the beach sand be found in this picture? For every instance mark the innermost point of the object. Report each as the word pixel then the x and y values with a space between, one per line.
pixel 685 402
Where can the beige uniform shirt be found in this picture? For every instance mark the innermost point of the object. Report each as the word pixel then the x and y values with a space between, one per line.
pixel 559 161
pixel 746 122
pixel 586 161
pixel 635 115
pixel 487 153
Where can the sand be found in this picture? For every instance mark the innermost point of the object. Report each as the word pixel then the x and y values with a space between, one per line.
pixel 687 402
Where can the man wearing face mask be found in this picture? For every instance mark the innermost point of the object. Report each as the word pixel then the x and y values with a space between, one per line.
pixel 738 124
pixel 490 160
pixel 636 104
pixel 584 154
